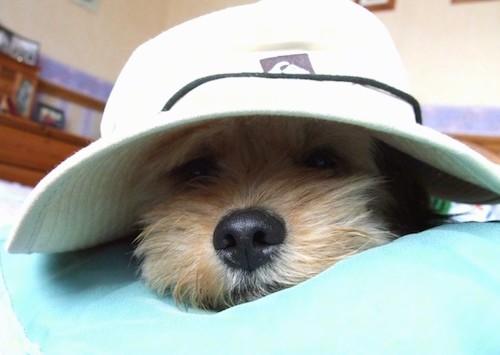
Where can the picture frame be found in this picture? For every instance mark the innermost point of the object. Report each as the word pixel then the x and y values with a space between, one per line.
pixel 20 48
pixel 24 97
pixel 5 39
pixel 91 5
pixel 24 50
pixel 461 1
pixel 375 5
pixel 49 116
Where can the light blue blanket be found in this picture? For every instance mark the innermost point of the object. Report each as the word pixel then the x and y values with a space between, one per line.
pixel 434 292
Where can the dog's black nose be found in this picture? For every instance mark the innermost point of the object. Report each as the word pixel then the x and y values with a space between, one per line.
pixel 247 239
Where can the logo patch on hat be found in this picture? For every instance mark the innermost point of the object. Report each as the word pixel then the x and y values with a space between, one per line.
pixel 288 64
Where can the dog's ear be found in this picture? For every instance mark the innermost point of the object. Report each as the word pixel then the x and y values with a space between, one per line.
pixel 409 209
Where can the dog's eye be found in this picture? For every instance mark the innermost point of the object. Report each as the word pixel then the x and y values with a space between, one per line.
pixel 200 167
pixel 321 159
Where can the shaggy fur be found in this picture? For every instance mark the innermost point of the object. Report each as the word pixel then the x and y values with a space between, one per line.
pixel 336 190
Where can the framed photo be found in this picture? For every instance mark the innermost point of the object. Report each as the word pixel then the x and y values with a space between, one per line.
pixel 24 50
pixel 375 5
pixel 49 116
pixel 91 5
pixel 20 48
pixel 459 1
pixel 24 97
pixel 5 39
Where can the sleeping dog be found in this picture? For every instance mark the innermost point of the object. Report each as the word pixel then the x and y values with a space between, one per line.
pixel 249 206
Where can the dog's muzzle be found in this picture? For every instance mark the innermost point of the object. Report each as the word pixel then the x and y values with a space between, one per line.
pixel 249 238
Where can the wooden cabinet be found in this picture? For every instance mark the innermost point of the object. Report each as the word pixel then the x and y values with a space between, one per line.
pixel 28 150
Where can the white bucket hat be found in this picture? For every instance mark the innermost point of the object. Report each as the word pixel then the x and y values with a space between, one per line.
pixel 324 59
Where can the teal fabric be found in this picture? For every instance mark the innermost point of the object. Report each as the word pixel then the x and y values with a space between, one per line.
pixel 432 292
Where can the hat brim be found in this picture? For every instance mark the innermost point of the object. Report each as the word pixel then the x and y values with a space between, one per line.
pixel 90 199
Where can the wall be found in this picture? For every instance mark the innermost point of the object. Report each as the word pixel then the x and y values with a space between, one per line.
pixel 452 51
pixel 179 11
pixel 98 43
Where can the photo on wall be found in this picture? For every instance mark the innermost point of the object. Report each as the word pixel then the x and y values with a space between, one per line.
pixel 375 5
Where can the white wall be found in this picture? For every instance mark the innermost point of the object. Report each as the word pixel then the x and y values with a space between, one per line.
pixel 98 43
pixel 451 51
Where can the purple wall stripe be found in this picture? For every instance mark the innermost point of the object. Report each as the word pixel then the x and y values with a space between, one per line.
pixel 74 79
pixel 463 120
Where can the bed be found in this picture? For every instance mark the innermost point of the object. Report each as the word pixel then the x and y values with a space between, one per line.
pixel 433 292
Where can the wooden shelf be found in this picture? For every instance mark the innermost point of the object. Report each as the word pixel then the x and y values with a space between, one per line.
pixel 60 92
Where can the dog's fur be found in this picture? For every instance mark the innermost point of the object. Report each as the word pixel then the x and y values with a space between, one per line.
pixel 336 190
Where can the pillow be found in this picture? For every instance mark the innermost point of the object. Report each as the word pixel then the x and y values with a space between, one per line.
pixel 437 291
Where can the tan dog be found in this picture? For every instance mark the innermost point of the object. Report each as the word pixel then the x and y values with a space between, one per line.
pixel 246 207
